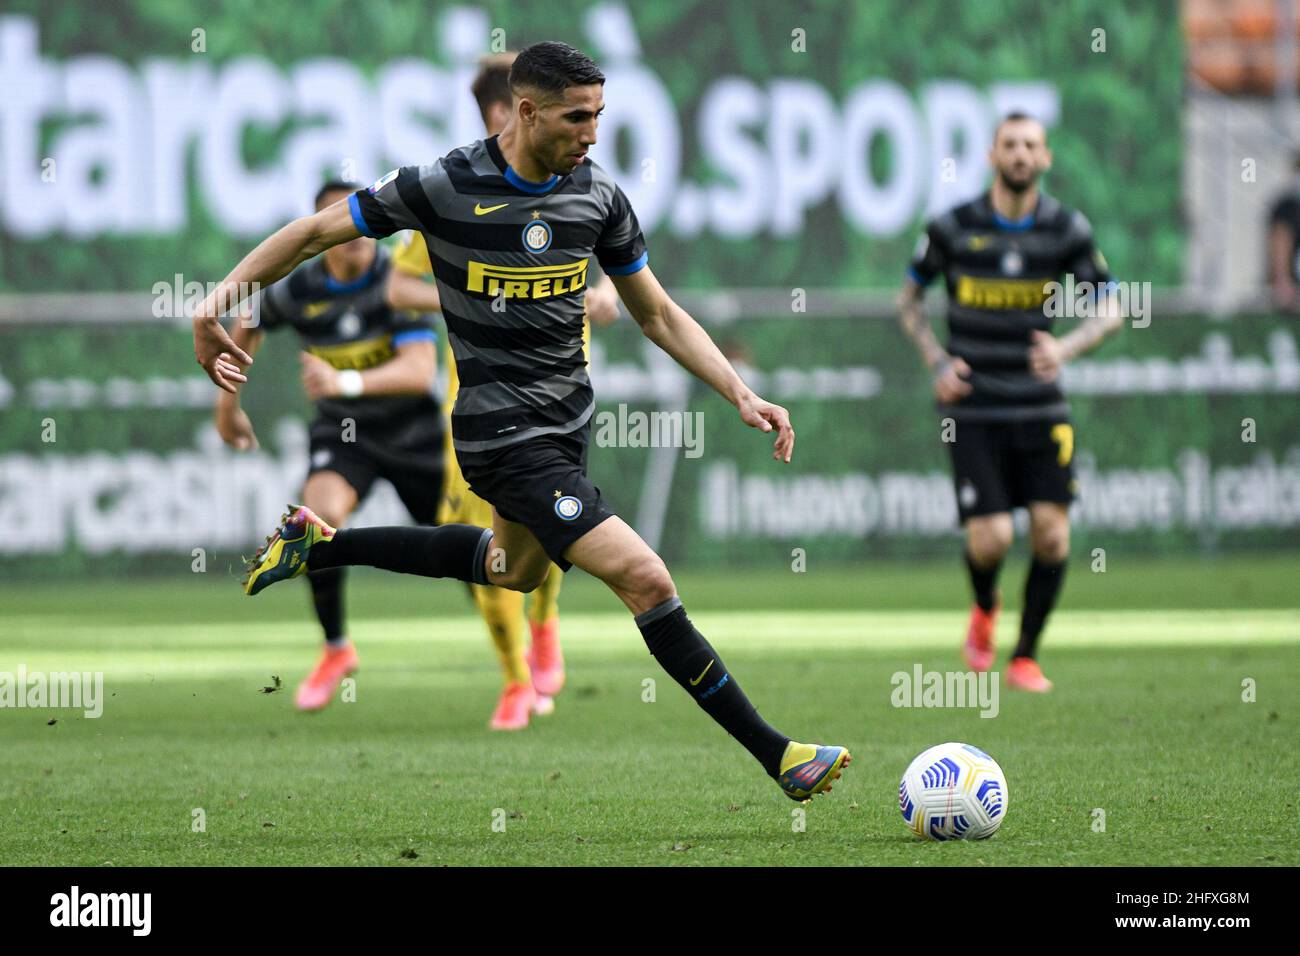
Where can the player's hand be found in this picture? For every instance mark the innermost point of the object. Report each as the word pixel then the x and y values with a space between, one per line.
pixel 319 378
pixel 950 382
pixel 1046 356
pixel 235 429
pixel 765 416
pixel 217 352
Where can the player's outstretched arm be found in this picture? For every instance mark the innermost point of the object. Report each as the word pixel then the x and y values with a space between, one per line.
pixel 669 326
pixel 274 258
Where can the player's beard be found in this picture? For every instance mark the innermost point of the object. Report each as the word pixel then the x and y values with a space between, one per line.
pixel 1018 186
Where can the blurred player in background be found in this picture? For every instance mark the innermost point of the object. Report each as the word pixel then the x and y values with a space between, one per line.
pixel 513 221
pixel 1284 243
pixel 531 678
pixel 370 370
pixel 997 378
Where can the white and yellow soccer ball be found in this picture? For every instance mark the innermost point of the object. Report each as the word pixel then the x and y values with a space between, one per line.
pixel 953 792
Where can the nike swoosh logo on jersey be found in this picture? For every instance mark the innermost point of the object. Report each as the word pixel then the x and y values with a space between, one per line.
pixel 480 211
pixel 702 673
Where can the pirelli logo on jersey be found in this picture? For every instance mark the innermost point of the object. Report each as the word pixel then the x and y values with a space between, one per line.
pixel 980 293
pixel 526 282
pixel 358 355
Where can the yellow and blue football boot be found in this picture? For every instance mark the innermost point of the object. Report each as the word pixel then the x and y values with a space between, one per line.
pixel 284 555
pixel 809 769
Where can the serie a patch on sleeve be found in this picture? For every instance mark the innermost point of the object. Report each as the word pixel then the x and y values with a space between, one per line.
pixel 383 181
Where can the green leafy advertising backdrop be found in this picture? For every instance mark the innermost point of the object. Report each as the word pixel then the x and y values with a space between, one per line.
pixel 1117 145
pixel 1118 157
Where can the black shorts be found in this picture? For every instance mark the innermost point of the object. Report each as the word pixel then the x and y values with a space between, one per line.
pixel 998 466
pixel 409 457
pixel 542 484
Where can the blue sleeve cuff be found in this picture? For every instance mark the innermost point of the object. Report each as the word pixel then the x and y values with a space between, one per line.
pixel 916 277
pixel 358 220
pixel 635 266
pixel 414 335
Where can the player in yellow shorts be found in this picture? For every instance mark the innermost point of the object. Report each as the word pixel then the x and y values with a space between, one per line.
pixel 532 676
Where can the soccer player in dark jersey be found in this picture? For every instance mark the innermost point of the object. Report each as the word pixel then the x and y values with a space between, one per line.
pixel 532 676
pixel 1011 439
pixel 511 223
pixel 370 369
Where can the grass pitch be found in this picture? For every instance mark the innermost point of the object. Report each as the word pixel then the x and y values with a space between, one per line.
pixel 1147 724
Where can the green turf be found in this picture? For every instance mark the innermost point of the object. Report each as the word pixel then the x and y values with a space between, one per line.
pixel 1130 581
pixel 1147 724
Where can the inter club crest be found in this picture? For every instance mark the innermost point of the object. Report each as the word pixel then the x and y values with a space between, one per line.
pixel 537 234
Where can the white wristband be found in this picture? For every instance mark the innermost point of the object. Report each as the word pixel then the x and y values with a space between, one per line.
pixel 351 383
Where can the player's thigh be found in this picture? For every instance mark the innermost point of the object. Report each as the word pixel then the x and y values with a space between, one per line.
pixel 1049 530
pixel 615 553
pixel 542 485
pixel 330 495
pixel 516 558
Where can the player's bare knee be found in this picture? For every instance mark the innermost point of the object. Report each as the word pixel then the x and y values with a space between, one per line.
pixel 1052 543
pixel 533 580
pixel 524 579
pixel 511 582
pixel 989 541
pixel 1049 534
pixel 648 579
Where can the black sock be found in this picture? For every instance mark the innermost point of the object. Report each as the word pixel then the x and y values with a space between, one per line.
pixel 689 659
pixel 447 551
pixel 1042 586
pixel 984 581
pixel 327 597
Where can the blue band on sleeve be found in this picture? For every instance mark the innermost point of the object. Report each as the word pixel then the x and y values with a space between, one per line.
pixel 358 220
pixel 916 277
pixel 635 266
pixel 414 335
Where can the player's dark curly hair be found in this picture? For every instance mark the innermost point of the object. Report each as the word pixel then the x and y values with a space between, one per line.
pixel 552 67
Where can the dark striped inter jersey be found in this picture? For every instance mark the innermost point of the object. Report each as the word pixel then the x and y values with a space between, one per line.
pixel 997 273
pixel 510 258
pixel 351 326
